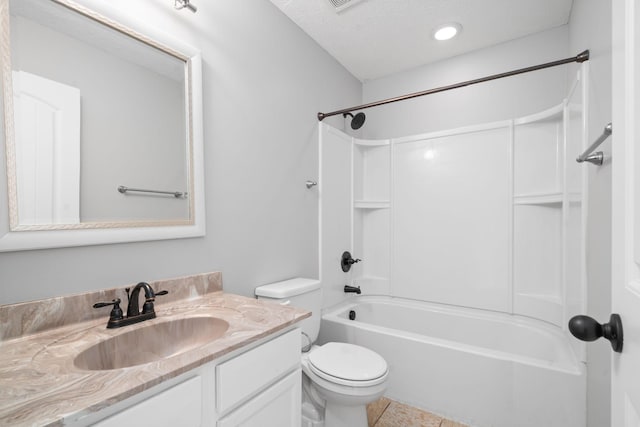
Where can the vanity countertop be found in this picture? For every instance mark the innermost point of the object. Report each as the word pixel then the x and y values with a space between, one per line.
pixel 39 384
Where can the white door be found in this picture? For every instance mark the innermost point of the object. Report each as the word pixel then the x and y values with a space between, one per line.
pixel 47 139
pixel 625 387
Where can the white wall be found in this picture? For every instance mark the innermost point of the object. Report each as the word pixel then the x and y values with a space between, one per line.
pixel 264 82
pixel 486 102
pixel 590 28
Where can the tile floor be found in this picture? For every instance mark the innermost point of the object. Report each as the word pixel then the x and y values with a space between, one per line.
pixel 385 412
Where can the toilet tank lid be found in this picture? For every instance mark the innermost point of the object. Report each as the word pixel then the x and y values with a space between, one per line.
pixel 287 288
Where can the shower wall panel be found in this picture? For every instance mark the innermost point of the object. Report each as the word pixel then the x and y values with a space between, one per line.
pixel 451 219
pixel 577 195
pixel 335 210
pixel 538 264
pixel 371 226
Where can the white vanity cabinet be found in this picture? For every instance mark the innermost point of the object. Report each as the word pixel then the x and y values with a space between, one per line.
pixel 262 386
pixel 181 405
pixel 256 386
pixel 278 405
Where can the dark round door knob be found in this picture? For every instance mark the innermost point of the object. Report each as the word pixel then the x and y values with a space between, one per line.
pixel 586 328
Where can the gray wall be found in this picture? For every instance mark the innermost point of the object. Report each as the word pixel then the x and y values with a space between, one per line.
pixel 264 82
pixel 497 100
pixel 590 28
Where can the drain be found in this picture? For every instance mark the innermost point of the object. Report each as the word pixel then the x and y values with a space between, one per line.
pixel 352 315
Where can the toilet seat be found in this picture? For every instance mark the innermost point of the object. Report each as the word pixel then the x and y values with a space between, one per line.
pixel 348 364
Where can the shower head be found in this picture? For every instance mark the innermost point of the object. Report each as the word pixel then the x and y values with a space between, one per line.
pixel 356 121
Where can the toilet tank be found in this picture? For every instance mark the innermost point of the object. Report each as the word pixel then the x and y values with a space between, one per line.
pixel 301 293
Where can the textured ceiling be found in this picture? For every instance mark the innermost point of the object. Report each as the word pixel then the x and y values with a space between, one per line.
pixel 375 38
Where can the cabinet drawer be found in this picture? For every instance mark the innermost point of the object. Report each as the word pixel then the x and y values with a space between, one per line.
pixel 181 405
pixel 277 406
pixel 241 377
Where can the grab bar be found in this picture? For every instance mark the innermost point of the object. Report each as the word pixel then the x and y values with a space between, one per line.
pixel 177 194
pixel 597 157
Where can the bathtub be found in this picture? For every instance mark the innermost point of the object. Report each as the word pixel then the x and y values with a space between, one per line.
pixel 477 367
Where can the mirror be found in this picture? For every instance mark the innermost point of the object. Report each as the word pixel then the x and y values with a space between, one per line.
pixel 103 128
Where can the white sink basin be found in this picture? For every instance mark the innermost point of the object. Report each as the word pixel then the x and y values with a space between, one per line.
pixel 150 343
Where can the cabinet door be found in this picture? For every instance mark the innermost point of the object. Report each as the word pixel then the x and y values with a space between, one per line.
pixel 277 406
pixel 180 405
pixel 241 377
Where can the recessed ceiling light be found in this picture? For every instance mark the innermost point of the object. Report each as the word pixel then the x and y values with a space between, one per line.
pixel 447 31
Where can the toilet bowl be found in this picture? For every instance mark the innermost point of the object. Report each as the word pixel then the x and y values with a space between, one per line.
pixel 339 379
pixel 346 378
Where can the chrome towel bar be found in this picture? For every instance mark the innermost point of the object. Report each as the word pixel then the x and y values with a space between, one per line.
pixel 177 194
pixel 597 157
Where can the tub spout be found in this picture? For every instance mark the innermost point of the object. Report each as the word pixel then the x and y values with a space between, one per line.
pixel 352 289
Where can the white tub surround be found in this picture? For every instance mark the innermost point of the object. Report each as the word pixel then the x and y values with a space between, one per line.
pixel 473 366
pixel 488 216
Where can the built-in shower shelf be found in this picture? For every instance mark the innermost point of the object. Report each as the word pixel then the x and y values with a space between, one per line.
pixel 545 199
pixel 371 204
pixel 538 199
pixel 364 143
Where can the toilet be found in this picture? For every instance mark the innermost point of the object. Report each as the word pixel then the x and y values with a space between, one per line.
pixel 339 379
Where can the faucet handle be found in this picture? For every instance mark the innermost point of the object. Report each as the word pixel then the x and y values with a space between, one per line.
pixel 116 311
pixel 115 303
pixel 147 307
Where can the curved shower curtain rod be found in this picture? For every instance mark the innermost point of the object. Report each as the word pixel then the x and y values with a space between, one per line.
pixel 581 57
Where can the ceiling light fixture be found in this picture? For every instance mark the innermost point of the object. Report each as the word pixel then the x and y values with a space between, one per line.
pixel 447 31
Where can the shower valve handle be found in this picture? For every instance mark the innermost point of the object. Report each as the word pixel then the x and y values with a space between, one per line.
pixel 347 261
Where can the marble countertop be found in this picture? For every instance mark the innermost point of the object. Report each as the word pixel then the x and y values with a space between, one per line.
pixel 39 384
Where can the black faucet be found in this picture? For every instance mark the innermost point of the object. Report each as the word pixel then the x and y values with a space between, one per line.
pixel 117 319
pixel 352 289
pixel 133 309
